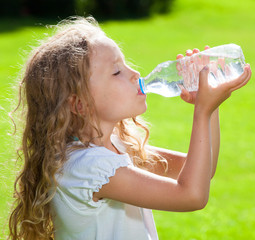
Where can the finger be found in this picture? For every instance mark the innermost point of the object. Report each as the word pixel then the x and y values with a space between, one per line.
pixel 195 58
pixel 240 81
pixel 240 85
pixel 247 66
pixel 178 64
pixel 214 68
pixel 245 77
pixel 221 62
pixel 189 52
pixel 203 77
pixel 179 56
pixel 205 59
pixel 184 91
pixel 185 95
pixel 196 50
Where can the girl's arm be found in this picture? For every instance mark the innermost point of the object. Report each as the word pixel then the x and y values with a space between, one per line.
pixel 191 189
pixel 176 160
pixel 215 136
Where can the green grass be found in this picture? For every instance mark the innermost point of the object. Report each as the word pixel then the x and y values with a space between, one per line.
pixel 193 23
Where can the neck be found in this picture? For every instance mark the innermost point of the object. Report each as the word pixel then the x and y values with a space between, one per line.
pixel 107 130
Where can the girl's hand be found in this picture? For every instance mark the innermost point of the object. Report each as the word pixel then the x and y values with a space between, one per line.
pixel 208 98
pixel 190 97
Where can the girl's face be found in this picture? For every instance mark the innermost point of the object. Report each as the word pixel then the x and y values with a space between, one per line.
pixel 114 85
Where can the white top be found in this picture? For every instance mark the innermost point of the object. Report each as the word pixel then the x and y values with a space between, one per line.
pixel 77 217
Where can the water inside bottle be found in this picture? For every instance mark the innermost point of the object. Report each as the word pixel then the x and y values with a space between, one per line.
pixel 220 70
pixel 164 80
pixel 231 70
pixel 168 78
pixel 164 88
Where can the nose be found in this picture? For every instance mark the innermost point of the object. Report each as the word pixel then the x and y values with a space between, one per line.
pixel 135 76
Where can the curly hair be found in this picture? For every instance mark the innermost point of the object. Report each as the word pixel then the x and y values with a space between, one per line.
pixel 58 69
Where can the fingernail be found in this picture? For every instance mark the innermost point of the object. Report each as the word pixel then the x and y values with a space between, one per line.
pixel 206 68
pixel 179 56
pixel 247 66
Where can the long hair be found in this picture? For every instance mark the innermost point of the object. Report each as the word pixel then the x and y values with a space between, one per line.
pixel 58 69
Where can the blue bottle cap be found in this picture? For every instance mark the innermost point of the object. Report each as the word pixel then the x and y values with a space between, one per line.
pixel 142 86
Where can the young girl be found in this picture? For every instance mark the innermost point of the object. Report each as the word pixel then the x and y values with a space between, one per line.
pixel 87 173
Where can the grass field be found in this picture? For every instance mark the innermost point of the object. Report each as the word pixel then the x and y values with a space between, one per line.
pixel 147 42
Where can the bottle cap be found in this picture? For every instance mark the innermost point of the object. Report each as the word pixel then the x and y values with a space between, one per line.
pixel 142 86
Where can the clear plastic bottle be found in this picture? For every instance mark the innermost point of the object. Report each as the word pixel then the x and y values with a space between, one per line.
pixel 225 62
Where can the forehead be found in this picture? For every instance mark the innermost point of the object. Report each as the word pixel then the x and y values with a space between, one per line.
pixel 106 50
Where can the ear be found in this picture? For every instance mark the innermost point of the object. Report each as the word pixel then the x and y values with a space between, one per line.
pixel 76 105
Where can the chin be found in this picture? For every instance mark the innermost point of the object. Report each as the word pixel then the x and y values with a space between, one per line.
pixel 136 111
pixel 145 107
pixel 142 110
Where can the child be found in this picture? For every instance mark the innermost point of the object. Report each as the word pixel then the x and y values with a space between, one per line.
pixel 87 173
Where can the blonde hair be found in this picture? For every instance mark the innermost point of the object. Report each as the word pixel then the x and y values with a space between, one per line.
pixel 57 70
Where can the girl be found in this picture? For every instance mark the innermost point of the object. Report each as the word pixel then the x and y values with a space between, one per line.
pixel 87 173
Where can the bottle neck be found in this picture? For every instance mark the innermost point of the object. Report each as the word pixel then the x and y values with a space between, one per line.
pixel 142 85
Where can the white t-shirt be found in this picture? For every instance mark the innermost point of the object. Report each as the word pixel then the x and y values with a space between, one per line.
pixel 77 217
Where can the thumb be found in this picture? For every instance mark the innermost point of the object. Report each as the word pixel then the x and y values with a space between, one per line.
pixel 184 94
pixel 203 77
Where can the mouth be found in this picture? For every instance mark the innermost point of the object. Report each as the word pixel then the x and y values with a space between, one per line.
pixel 139 92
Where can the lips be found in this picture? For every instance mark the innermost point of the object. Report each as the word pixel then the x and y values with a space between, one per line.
pixel 140 92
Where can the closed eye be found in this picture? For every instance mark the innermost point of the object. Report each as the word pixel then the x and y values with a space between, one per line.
pixel 117 73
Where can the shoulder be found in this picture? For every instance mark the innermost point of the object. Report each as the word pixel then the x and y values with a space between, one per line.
pixel 87 170
pixel 94 159
pixel 95 153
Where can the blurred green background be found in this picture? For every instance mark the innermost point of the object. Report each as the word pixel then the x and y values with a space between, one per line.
pixel 145 43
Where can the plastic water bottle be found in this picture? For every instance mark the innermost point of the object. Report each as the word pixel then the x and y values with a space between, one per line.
pixel 225 62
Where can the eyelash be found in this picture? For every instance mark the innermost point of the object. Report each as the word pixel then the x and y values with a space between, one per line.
pixel 117 73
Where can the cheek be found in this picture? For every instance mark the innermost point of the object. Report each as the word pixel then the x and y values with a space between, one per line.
pixel 104 100
pixel 114 93
pixel 111 102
